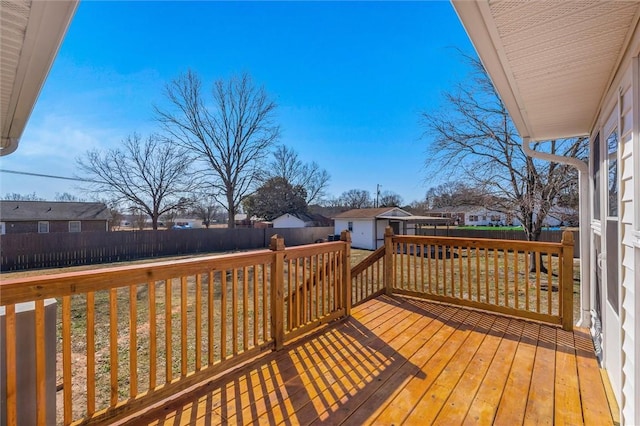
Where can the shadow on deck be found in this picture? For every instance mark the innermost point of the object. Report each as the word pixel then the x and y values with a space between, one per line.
pixel 399 360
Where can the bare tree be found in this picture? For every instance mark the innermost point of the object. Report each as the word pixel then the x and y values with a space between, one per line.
pixel 14 196
pixel 206 208
pixel 229 135
pixel 65 196
pixel 455 194
pixel 287 165
pixel 389 199
pixel 152 176
pixel 473 137
pixel 356 199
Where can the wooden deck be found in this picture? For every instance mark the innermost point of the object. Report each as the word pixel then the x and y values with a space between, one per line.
pixel 405 361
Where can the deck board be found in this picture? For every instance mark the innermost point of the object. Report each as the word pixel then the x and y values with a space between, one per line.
pixel 405 361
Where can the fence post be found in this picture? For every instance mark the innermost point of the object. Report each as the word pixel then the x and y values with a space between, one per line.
pixel 277 291
pixel 567 280
pixel 346 271
pixel 388 260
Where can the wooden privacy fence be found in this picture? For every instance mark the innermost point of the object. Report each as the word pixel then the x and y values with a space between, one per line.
pixel 527 279
pixel 55 250
pixel 131 336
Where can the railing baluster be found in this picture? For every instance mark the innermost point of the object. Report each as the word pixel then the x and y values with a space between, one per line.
pixel 469 292
pixel 168 343
pixel 198 342
pixel 211 275
pixel 298 294
pixel 234 311
pixel 113 344
pixel 549 284
pixel 265 299
pixel 66 360
pixel 315 284
pixel 245 308
pixel 505 268
pixel 325 273
pixel 133 341
pixel 223 315
pixel 487 297
pixel 305 291
pixel 476 251
pixel 256 311
pixel 461 273
pixel 152 335
pixel 526 281
pixel 496 275
pixel 515 279
pixel 422 267
pixel 91 354
pixel 292 294
pixel 537 268
pixel 415 266
pixel 183 326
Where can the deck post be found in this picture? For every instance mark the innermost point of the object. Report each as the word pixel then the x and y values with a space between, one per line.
pixel 277 291
pixel 345 236
pixel 567 280
pixel 388 260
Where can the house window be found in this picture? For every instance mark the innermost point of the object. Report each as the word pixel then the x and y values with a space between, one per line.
pixel 2 228
pixel 350 226
pixel 43 227
pixel 74 226
pixel 473 218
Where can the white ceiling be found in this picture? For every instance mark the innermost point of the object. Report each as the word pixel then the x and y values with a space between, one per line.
pixel 551 61
pixel 30 34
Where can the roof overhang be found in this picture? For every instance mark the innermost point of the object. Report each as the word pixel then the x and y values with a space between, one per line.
pixel 31 33
pixel 551 62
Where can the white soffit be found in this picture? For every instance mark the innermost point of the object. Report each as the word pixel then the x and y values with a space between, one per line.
pixel 551 61
pixel 30 34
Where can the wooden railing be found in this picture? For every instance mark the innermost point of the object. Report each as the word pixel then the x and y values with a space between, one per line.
pixel 523 278
pixel 367 277
pixel 131 336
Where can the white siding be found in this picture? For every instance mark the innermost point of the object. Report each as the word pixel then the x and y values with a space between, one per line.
pixel 288 221
pixel 628 274
pixel 362 235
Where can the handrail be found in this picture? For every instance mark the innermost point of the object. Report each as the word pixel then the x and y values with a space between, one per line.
pixel 367 277
pixel 368 261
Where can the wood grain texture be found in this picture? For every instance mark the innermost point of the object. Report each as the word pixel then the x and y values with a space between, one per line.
pixel 401 360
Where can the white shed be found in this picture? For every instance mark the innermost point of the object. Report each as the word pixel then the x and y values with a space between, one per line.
pixel 567 69
pixel 367 225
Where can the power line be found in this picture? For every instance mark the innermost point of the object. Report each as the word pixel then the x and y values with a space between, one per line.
pixel 15 172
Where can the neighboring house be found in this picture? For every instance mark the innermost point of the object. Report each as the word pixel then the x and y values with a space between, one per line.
pixel 567 69
pixel 483 216
pixel 301 220
pixel 367 225
pixel 474 216
pixel 19 217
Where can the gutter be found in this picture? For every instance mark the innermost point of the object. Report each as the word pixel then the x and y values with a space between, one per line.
pixel 585 253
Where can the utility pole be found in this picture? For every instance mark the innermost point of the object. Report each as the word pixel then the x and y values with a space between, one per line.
pixel 378 195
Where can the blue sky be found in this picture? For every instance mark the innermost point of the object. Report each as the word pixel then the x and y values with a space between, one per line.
pixel 350 79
